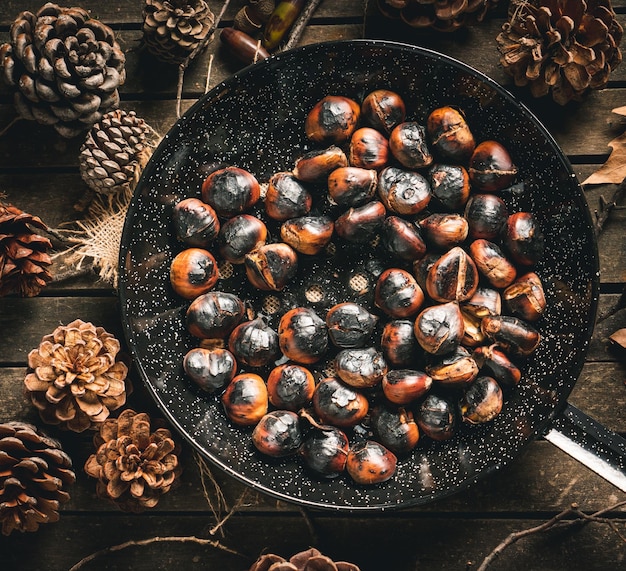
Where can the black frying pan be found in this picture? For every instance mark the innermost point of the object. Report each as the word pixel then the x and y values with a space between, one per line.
pixel 255 120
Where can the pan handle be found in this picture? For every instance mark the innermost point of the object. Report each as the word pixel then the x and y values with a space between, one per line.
pixel 595 446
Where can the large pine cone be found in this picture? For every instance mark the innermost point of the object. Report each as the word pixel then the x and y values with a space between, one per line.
pixel 65 68
pixel 562 47
pixel 133 465
pixel 309 560
pixel 34 475
pixel 24 259
pixel 115 151
pixel 174 29
pixel 75 379
pixel 440 15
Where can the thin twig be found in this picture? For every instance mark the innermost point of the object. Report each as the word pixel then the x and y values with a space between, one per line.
pixel 310 525
pixel 299 25
pixel 13 122
pixel 208 73
pixel 218 526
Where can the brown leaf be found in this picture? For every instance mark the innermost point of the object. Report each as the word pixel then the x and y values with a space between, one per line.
pixel 620 110
pixel 619 338
pixel 613 171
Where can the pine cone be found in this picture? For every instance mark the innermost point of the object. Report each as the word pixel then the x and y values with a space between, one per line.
pixel 24 258
pixel 65 68
pixel 115 151
pixel 309 560
pixel 74 378
pixel 34 473
pixel 173 29
pixel 440 15
pixel 562 47
pixel 133 465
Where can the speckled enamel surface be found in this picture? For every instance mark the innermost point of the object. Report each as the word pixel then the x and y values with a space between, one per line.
pixel 255 121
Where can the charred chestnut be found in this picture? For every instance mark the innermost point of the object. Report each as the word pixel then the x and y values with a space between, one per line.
pixel 325 451
pixel 444 231
pixel 231 190
pixel 214 315
pixel 360 224
pixel 195 222
pixel 525 297
pixel 497 362
pixel 403 386
pixel 394 428
pixel 254 343
pixel 523 238
pixel 397 293
pixel 245 399
pixel 210 369
pixel 307 234
pixel 486 215
pixel 316 165
pixel 422 266
pixel 398 343
pixel 456 369
pixel 485 301
pixel 449 185
pixel 302 335
pixel 350 325
pixel 407 143
pixel 402 239
pixel 450 134
pixel 290 386
pixel 370 462
pixel 472 333
pixel 360 368
pixel 481 401
pixel 435 418
pixel 240 235
pixel 453 277
pixel 369 149
pixel 278 434
pixel 338 404
pixel 286 197
pixel 352 186
pixel 332 120
pixel 492 263
pixel 511 333
pixel 491 167
pixel 271 266
pixel 439 328
pixel 383 110
pixel 193 272
pixel 403 192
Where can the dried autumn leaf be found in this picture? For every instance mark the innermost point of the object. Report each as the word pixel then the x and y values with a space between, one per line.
pixel 619 338
pixel 613 171
pixel 620 110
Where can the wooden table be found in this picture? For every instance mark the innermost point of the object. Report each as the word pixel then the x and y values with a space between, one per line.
pixel 39 173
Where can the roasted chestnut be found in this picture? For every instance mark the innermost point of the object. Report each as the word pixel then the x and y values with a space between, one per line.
pixel 214 315
pixel 491 167
pixel 307 234
pixel 210 369
pixel 369 149
pixel 231 190
pixel 439 328
pixel 435 418
pixel 444 231
pixel 449 185
pixel 290 386
pixel 316 165
pixel 244 47
pixel 485 301
pixel 360 368
pixel 402 238
pixel 407 143
pixel 403 386
pixel 486 215
pixel 511 333
pixel 302 335
pixel 245 399
pixel 383 110
pixel 472 333
pixel 453 277
pixel 456 369
pixel 193 272
pixel 338 404
pixel 350 325
pixel 492 263
pixel 369 462
pixel 481 401
pixel 286 197
pixel 525 297
pixel 360 224
pixel 324 451
pixel 332 120
pixel 278 434
pixel 422 266
pixel 352 186
pixel 394 428
pixel 271 266
pixel 496 361
pixel 450 134
pixel 398 343
pixel 398 294
pixel 403 192
pixel 240 235
pixel 254 343
pixel 195 222
pixel 523 238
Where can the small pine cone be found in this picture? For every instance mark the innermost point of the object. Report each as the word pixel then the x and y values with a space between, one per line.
pixel 173 29
pixel 439 15
pixel 115 151
pixel 24 259
pixel 64 67
pixel 34 476
pixel 562 47
pixel 75 379
pixel 133 465
pixel 309 560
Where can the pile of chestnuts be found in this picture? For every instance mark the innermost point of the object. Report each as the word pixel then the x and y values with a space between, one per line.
pixel 353 389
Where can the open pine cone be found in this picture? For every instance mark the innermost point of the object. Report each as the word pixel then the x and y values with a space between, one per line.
pixel 562 47
pixel 174 29
pixel 75 379
pixel 309 560
pixel 133 465
pixel 24 259
pixel 65 68
pixel 34 475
